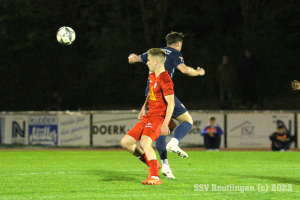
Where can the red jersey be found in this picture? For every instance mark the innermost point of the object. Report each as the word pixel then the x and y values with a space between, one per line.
pixel 159 87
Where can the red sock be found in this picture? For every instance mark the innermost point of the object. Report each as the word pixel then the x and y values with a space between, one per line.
pixel 153 167
pixel 144 159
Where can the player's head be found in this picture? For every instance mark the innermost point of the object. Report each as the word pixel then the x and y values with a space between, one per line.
pixel 212 121
pixel 280 129
pixel 156 57
pixel 175 39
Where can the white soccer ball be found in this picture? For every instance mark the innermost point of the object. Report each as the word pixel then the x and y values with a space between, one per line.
pixel 65 35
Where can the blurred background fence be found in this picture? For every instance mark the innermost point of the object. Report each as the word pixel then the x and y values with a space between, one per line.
pixel 242 129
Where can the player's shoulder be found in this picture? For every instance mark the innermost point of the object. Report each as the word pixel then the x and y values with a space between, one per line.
pixel 172 50
pixel 165 77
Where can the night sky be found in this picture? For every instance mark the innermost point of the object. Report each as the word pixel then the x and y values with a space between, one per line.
pixel 37 73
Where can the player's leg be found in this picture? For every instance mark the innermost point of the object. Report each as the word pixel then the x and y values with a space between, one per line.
pixel 286 145
pixel 276 145
pixel 146 144
pixel 128 142
pixel 207 142
pixel 161 148
pixel 186 122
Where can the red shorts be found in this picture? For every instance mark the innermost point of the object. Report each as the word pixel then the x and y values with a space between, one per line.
pixel 149 126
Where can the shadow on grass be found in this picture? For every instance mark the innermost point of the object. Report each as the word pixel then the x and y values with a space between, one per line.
pixel 113 175
pixel 275 179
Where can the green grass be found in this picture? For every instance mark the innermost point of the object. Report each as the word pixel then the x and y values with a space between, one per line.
pixel 118 175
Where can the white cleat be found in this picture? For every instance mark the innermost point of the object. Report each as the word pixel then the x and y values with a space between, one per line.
pixel 166 171
pixel 177 150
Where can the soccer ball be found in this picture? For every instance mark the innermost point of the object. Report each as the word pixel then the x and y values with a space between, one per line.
pixel 65 35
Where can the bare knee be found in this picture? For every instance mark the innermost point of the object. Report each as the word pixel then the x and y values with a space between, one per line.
pixel 125 143
pixel 186 117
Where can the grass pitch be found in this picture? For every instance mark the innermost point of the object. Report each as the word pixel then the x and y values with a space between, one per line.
pixel 118 175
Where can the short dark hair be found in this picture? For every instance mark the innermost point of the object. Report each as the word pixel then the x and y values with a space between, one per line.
pixel 157 53
pixel 280 126
pixel 174 37
pixel 212 118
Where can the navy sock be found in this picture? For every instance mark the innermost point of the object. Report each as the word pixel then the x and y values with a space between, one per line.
pixel 161 147
pixel 182 129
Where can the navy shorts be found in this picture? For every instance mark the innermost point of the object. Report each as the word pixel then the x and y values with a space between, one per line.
pixel 179 108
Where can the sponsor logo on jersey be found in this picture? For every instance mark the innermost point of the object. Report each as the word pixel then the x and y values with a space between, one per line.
pixel 152 96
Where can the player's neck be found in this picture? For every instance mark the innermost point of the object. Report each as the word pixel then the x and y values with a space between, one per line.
pixel 175 47
pixel 159 70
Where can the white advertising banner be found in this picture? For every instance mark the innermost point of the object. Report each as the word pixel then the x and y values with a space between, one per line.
pixel 73 130
pixel 193 138
pixel 59 130
pixel 252 130
pixel 13 129
pixel 109 128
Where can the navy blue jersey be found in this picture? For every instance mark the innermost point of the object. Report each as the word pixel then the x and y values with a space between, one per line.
pixel 173 59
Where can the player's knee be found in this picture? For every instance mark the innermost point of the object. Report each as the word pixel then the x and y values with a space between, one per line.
pixel 189 119
pixel 124 143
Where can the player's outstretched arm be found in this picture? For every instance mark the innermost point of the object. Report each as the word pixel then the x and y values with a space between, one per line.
pixel 296 85
pixel 143 110
pixel 170 108
pixel 191 71
pixel 133 58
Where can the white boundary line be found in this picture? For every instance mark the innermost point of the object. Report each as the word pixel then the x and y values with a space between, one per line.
pixel 121 170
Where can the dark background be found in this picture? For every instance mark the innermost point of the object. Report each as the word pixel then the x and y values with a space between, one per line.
pixel 37 73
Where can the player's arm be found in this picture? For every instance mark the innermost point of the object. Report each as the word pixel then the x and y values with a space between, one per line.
pixel 133 58
pixel 296 85
pixel 143 110
pixel 170 108
pixel 191 71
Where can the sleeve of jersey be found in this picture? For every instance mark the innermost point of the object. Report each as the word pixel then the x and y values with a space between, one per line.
pixel 178 59
pixel 167 85
pixel 144 57
pixel 219 130
pixel 204 131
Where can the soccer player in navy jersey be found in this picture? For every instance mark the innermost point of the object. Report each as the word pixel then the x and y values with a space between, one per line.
pixel 174 59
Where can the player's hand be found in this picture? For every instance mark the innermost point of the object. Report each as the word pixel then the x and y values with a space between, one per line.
pixel 296 85
pixel 165 129
pixel 200 71
pixel 142 113
pixel 211 134
pixel 132 58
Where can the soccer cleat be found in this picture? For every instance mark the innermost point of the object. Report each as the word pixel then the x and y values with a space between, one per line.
pixel 177 150
pixel 158 166
pixel 152 181
pixel 166 171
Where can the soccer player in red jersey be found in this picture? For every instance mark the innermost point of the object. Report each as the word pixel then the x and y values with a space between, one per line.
pixel 160 101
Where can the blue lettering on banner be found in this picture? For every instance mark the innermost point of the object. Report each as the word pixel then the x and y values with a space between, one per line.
pixel 43 129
